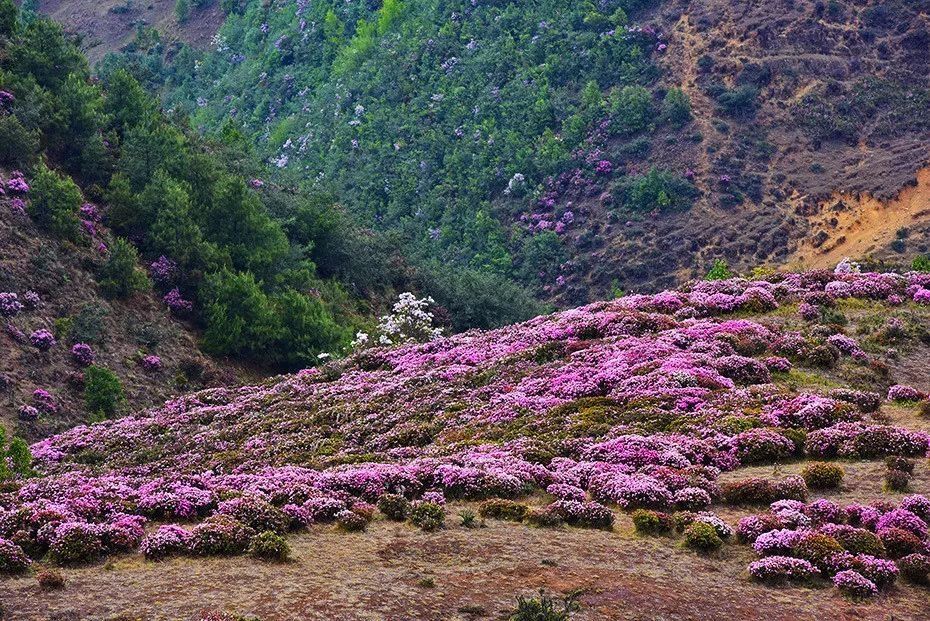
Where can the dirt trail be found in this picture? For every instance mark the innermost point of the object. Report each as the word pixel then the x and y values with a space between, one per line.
pixel 855 225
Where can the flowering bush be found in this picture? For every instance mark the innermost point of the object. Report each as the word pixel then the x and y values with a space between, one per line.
pixel 151 363
pixel 177 304
pixel 12 558
pixel 42 339
pixel 854 584
pixel 409 322
pixel 583 514
pixel 220 535
pixel 899 542
pixel 168 540
pixel 163 271
pixel 82 354
pixel 778 569
pixel 44 401
pixel 352 521
pixel 27 413
pixel 10 306
pixel 900 392
pixel 76 542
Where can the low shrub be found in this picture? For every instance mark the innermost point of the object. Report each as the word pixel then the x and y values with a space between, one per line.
pixel 583 514
pixel 816 548
pixel 702 537
pixel 899 542
pixel 50 580
pixel 270 546
pixel 897 481
pixel 780 569
pixel 168 540
pixel 220 535
pixel 394 507
pixel 543 608
pixel 854 585
pixel 12 558
pixel 649 522
pixel 428 515
pixel 859 541
pixel 255 513
pixel 543 518
pixel 498 508
pixel 469 518
pixel 822 475
pixel 915 567
pixel 350 521
pixel 76 542
pixel 903 464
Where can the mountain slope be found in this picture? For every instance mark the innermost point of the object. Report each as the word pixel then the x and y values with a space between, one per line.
pixel 663 402
pixel 756 118
pixel 71 306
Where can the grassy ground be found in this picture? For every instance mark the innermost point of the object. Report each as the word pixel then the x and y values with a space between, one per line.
pixel 393 571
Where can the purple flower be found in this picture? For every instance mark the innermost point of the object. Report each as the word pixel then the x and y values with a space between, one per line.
pixel 42 339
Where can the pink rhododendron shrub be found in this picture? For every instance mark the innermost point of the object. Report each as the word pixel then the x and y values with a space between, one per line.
pixel 854 584
pixel 82 354
pixel 642 401
pixel 778 569
pixel 177 304
pixel 900 392
pixel 12 558
pixel 10 305
pixel 168 540
pixel 151 363
pixel 44 401
pixel 42 339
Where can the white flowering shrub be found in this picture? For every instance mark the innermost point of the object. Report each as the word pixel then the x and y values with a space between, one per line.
pixel 409 321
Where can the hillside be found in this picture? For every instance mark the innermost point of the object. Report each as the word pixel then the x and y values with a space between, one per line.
pixel 705 402
pixel 55 287
pixel 113 24
pixel 584 150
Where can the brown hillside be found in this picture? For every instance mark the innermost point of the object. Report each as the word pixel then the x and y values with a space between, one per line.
pixel 111 24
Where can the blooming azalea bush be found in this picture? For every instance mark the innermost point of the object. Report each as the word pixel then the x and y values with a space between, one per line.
pixel 42 339
pixel 12 558
pixel 82 354
pixel 168 540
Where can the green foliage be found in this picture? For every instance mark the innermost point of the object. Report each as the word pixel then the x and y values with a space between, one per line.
pixel 120 276
pixel 270 546
pixel 676 107
pixel 630 110
pixel 103 392
pixel 657 190
pixel 15 458
pixel 240 319
pixel 502 509
pixel 182 10
pixel 55 200
pixel 544 608
pixel 8 18
pixel 18 145
pixel 921 263
pixel 418 122
pixel 428 515
pixel 702 537
pixel 822 475
pixel 719 271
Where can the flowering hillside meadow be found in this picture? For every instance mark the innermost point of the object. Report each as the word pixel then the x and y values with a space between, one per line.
pixel 669 410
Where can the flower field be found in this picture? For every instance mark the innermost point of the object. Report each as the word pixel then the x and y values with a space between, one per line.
pixel 639 404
